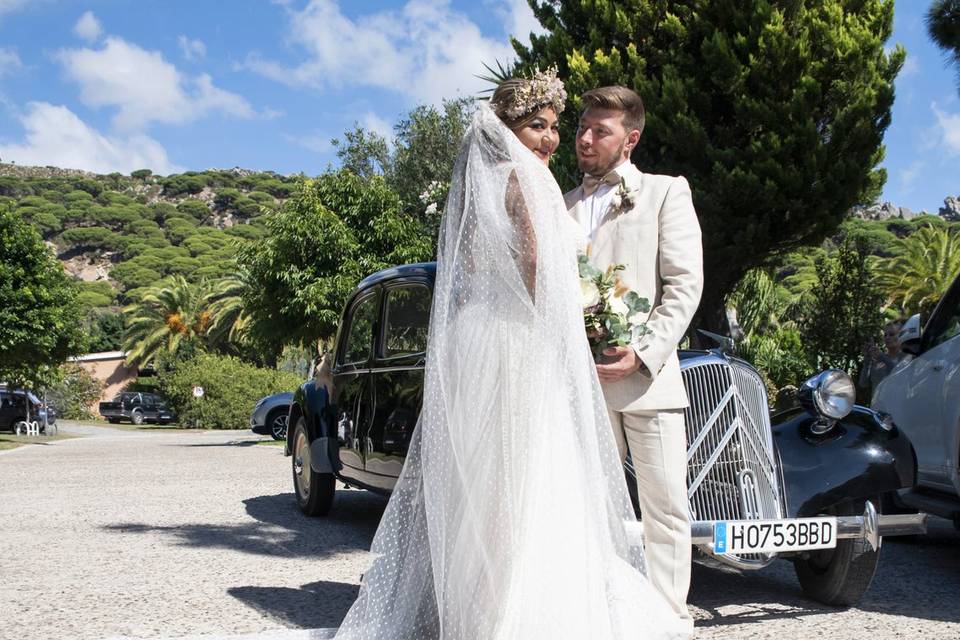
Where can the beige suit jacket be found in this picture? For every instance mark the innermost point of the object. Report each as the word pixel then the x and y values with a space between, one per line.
pixel 658 241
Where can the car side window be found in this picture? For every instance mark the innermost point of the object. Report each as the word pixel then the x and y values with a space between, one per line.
pixel 947 323
pixel 407 319
pixel 360 336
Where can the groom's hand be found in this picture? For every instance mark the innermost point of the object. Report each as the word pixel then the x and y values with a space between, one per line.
pixel 622 361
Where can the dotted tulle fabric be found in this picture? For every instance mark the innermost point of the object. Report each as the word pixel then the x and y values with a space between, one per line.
pixel 511 518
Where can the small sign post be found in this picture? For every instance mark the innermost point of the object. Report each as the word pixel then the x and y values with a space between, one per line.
pixel 197 396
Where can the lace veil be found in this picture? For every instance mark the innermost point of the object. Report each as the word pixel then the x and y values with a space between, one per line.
pixel 511 518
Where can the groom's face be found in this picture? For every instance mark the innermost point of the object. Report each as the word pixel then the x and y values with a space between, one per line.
pixel 602 140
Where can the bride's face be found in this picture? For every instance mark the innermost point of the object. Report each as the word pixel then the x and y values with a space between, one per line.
pixel 541 134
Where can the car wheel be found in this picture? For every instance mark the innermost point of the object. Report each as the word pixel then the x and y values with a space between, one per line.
pixel 839 577
pixel 277 423
pixel 314 491
pixel 136 418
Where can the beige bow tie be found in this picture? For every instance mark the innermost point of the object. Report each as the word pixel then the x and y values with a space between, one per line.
pixel 590 183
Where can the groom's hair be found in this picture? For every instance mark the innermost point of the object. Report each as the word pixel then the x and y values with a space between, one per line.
pixel 618 98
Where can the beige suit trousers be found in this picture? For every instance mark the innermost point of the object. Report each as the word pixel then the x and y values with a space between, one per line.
pixel 657 444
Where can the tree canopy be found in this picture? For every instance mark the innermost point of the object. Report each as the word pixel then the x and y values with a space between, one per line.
pixel 40 324
pixel 420 159
pixel 336 230
pixel 775 112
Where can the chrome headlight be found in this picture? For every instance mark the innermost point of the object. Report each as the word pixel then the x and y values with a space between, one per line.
pixel 829 395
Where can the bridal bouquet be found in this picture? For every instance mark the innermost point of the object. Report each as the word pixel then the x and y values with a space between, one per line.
pixel 613 315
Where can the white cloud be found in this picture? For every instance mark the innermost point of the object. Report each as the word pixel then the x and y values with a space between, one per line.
pixel 425 50
pixel 373 122
pixel 192 48
pixel 88 27
pixel 911 67
pixel 518 19
pixel 9 61
pixel 909 176
pixel 144 87
pixel 54 135
pixel 948 126
pixel 9 6
pixel 317 142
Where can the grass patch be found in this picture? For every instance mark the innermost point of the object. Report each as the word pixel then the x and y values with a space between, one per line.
pixel 271 442
pixel 11 441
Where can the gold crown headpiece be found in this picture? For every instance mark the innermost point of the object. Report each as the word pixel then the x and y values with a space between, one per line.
pixel 541 89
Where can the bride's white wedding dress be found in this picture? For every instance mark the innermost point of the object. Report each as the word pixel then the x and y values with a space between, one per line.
pixel 511 519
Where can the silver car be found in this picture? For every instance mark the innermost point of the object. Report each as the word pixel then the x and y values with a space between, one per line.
pixel 269 415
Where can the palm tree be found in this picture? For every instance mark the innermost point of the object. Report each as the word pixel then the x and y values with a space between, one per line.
pixel 924 265
pixel 166 317
pixel 229 319
pixel 759 301
pixel 943 25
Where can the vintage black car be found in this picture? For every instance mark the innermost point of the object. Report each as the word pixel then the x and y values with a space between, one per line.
pixel 137 407
pixel 803 484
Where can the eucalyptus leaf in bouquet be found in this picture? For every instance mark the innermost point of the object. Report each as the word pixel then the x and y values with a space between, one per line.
pixel 613 315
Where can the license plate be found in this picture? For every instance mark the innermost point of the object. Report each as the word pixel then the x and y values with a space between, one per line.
pixel 772 536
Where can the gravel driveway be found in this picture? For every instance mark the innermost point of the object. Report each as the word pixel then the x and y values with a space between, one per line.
pixel 147 534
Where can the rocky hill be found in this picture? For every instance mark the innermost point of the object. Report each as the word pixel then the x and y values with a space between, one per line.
pixel 950 211
pixel 127 232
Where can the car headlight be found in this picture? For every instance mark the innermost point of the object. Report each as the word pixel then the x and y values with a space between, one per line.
pixel 829 395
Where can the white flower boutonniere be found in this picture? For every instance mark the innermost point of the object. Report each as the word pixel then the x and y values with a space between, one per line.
pixel 624 199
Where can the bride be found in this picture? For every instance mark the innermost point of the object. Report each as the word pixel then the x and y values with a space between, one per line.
pixel 511 519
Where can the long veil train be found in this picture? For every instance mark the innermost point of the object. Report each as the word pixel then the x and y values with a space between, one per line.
pixel 511 517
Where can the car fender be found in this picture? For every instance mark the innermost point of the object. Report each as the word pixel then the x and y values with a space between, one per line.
pixel 857 458
pixel 312 402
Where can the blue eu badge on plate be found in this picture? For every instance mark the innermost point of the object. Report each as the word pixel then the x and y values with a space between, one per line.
pixel 720 537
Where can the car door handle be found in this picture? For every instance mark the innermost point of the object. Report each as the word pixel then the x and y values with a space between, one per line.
pixel 937 366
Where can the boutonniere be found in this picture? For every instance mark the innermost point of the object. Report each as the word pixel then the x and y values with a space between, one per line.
pixel 624 199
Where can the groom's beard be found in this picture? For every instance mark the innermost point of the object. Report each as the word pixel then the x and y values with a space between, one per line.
pixel 610 164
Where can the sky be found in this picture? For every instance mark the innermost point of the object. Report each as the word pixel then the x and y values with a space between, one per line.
pixel 174 85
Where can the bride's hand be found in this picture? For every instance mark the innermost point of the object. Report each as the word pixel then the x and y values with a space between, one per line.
pixel 621 362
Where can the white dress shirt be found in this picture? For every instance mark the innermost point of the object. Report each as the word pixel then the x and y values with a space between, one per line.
pixel 597 204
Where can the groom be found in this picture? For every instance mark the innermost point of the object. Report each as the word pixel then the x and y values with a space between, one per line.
pixel 647 223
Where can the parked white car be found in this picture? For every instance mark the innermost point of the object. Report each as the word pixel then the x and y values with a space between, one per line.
pixel 923 398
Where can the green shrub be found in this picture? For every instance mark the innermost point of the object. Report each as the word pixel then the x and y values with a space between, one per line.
pixel 89 185
pixel 262 198
pixel 76 394
pixel 231 389
pixel 92 238
pixel 14 187
pixel 182 184
pixel 105 328
pixel 194 208
pixel 134 276
pixel 141 174
pixel 226 198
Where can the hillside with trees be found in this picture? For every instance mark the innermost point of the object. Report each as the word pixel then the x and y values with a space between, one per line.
pixel 119 235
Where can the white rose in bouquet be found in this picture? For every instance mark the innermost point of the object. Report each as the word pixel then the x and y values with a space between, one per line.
pixel 589 293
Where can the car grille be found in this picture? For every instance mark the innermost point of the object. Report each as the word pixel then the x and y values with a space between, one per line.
pixel 731 469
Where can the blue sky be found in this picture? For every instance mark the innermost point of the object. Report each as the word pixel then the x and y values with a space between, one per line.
pixel 110 85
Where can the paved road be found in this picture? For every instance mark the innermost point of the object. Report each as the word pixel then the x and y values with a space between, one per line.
pixel 171 535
